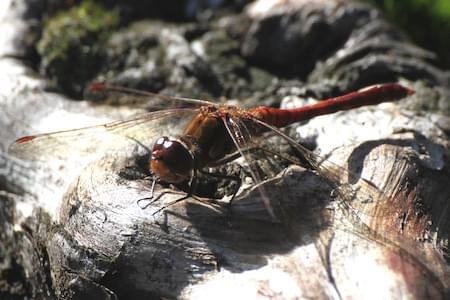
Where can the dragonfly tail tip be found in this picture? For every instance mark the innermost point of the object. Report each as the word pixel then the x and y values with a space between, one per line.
pixel 24 139
pixel 97 86
pixel 410 92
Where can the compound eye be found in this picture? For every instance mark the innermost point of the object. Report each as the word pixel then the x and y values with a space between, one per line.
pixel 170 149
pixel 161 143
pixel 171 159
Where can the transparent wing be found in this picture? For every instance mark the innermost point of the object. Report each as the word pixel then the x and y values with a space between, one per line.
pixel 119 95
pixel 355 201
pixel 95 140
pixel 244 142
pixel 363 195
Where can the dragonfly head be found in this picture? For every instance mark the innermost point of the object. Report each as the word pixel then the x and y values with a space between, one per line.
pixel 171 160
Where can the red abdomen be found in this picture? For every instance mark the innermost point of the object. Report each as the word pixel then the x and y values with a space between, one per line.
pixel 369 96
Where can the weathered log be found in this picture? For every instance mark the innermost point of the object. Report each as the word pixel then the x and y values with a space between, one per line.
pixel 82 227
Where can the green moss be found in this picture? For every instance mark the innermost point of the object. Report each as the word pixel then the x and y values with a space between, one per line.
pixel 71 46
pixel 426 21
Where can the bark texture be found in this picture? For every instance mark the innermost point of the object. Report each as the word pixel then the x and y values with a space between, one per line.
pixel 81 228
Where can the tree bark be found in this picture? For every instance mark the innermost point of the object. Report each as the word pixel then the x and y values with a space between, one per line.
pixel 83 228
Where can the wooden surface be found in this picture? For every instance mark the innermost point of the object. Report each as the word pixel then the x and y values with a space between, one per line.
pixel 78 230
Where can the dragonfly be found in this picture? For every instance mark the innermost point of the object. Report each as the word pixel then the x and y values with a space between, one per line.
pixel 212 136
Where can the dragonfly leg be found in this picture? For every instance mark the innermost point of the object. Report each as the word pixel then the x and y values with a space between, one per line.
pixel 234 178
pixel 232 156
pixel 150 198
pixel 192 185
pixel 171 203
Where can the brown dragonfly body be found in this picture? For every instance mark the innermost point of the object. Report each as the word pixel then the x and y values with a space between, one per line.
pixel 207 137
pixel 214 132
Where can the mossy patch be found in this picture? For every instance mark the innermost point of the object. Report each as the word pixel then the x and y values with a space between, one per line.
pixel 71 46
pixel 426 21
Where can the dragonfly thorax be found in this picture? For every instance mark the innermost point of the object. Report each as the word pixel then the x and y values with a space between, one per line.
pixel 171 160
